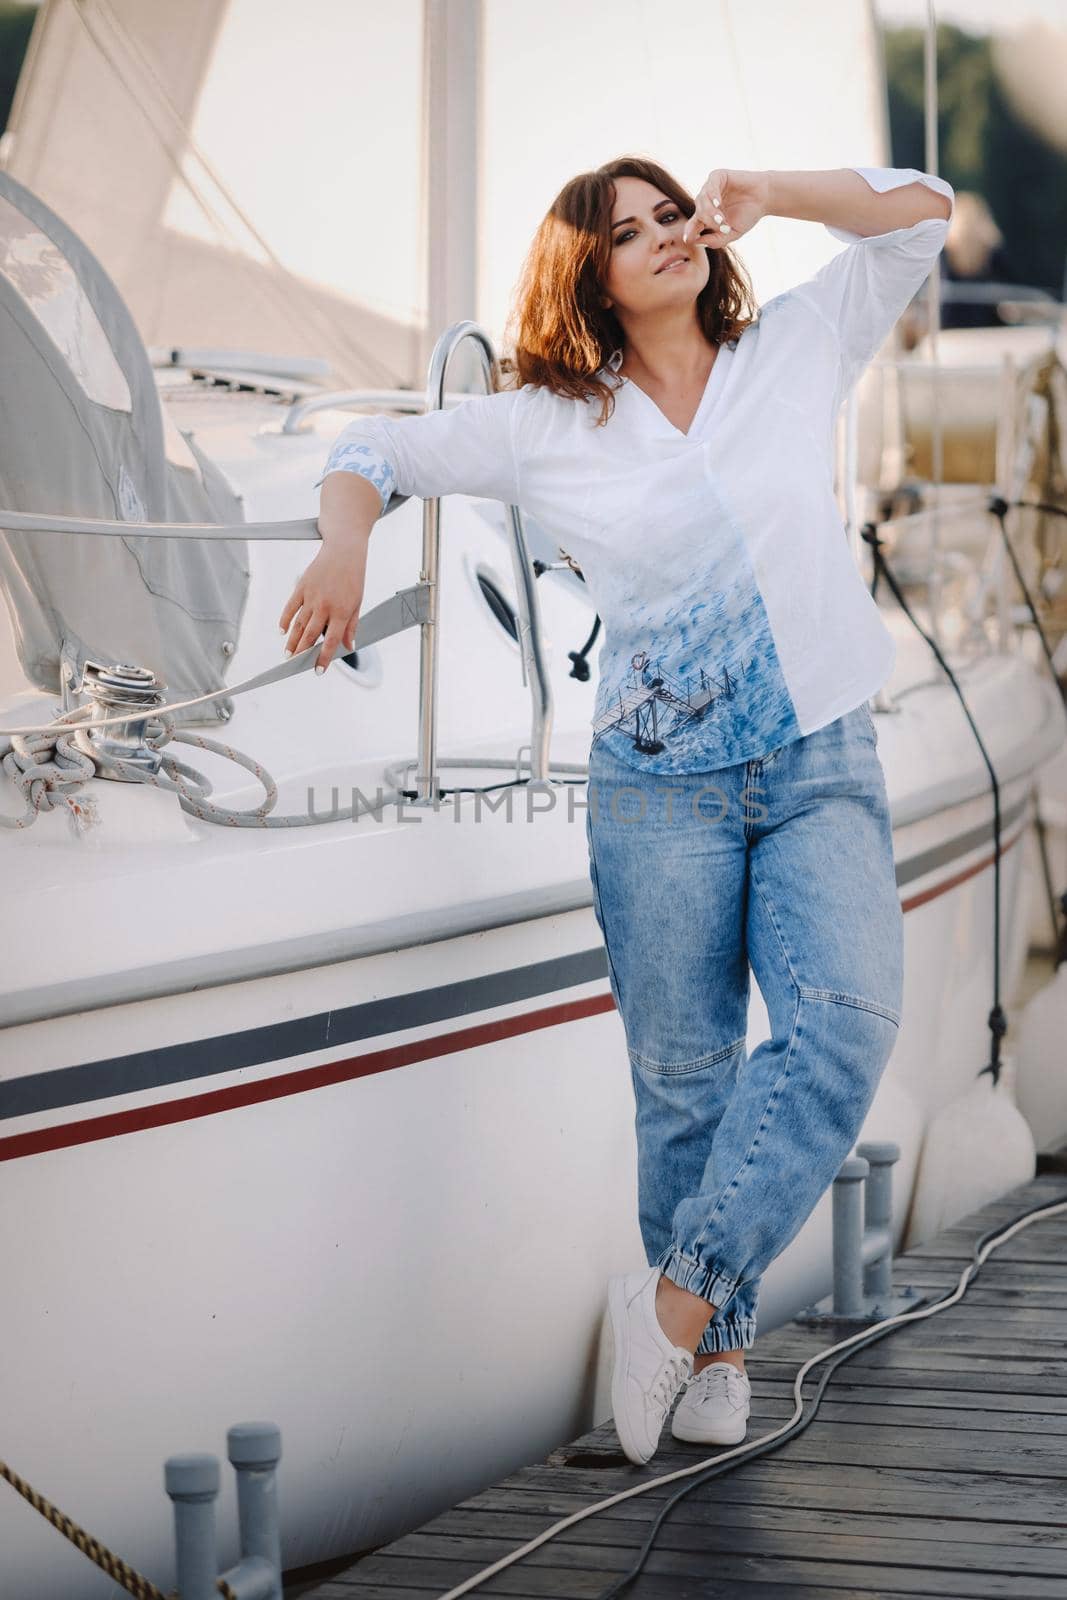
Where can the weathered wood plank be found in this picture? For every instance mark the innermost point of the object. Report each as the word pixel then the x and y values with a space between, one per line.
pixel 1021 1450
pixel 969 1316
pixel 962 1387
pixel 997 1414
pixel 646 1588
pixel 847 1507
pixel 908 1389
pixel 1027 1245
pixel 1010 1289
pixel 1037 1321
pixel 566 1568
pixel 895 1352
pixel 879 1364
pixel 1028 1339
pixel 994 1459
pixel 736 1527
pixel 1048 1279
pixel 1008 1494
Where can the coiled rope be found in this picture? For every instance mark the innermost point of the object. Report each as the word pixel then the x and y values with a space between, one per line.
pixel 50 762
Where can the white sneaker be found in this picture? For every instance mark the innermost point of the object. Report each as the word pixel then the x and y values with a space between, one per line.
pixel 715 1406
pixel 647 1369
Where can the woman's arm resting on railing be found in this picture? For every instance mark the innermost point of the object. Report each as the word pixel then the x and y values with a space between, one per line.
pixel 349 506
pixel 329 594
pixel 466 449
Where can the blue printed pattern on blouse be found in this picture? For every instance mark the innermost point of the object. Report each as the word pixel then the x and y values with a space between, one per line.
pixel 691 686
pixel 367 462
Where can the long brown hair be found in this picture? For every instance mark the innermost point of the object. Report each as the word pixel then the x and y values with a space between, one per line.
pixel 562 335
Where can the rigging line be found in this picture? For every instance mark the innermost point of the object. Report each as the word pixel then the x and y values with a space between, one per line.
pixel 317 325
pixel 1000 507
pixel 996 1021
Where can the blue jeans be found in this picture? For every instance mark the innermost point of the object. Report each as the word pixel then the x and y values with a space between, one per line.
pixel 784 864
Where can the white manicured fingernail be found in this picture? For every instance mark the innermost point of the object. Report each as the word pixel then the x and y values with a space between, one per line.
pixel 725 228
pixel 715 200
pixel 289 651
pixel 320 669
pixel 718 216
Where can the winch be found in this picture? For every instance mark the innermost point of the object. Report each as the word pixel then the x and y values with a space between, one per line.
pixel 110 689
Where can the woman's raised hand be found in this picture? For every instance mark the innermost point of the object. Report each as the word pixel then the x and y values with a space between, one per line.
pixel 729 203
pixel 326 600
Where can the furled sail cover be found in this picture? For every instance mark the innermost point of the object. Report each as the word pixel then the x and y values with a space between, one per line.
pixel 82 434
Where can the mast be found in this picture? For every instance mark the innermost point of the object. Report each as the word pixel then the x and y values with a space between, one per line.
pixel 452 166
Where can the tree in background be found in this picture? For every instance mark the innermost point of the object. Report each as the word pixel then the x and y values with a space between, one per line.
pixel 16 24
pixel 984 145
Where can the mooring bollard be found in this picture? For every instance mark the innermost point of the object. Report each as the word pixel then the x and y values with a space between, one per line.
pixel 863 1242
pixel 192 1482
pixel 878 1215
pixel 255 1449
pixel 849 1238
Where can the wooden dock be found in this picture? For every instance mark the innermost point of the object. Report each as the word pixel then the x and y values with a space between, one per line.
pixel 936 1465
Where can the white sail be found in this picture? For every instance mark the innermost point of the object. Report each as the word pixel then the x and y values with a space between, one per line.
pixel 248 180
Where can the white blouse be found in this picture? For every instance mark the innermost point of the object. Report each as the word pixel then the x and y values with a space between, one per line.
pixel 735 618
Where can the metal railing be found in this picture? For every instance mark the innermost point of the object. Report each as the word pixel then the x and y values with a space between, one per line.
pixel 411 400
pixel 416 606
pixel 534 674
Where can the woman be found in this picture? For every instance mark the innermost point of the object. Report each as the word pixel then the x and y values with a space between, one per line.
pixel 682 451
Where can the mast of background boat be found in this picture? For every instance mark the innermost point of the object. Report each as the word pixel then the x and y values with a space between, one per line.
pixel 847 440
pixel 933 314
